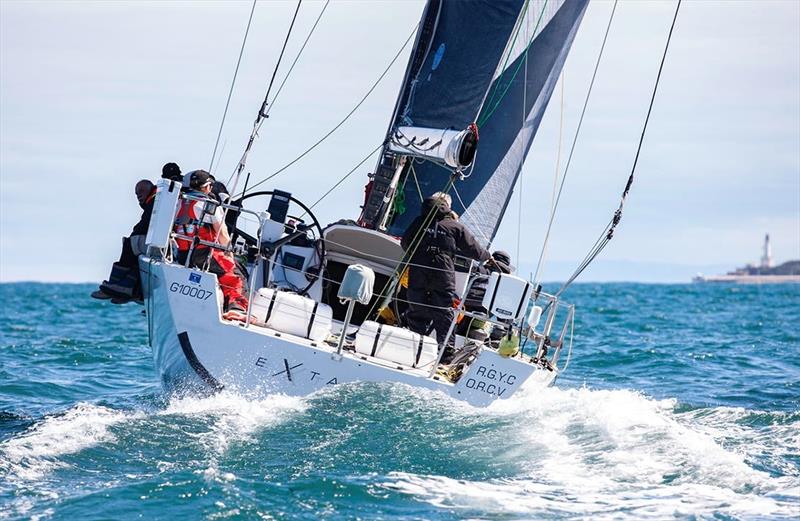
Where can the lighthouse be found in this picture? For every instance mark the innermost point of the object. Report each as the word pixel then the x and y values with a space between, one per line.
pixel 766 258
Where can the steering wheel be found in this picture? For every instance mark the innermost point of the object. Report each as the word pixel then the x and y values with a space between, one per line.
pixel 254 241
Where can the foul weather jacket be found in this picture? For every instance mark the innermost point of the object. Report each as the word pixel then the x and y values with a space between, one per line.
pixel 432 262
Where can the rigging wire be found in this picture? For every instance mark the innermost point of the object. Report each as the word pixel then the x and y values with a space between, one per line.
pixel 263 111
pixel 338 125
pixel 348 174
pixel 483 119
pixel 219 158
pixel 574 142
pixel 261 114
pixel 468 213
pixel 233 83
pixel 416 181
pixel 511 49
pixel 543 253
pixel 391 285
pixel 256 126
pixel 608 233
pixel 522 147
pixel 296 58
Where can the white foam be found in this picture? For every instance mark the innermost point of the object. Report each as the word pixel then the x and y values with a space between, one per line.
pixel 594 452
pixel 31 455
pixel 233 418
pixel 532 498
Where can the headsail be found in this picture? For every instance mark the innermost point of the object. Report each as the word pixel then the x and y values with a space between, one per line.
pixel 491 62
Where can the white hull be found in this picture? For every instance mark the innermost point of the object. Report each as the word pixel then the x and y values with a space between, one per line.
pixel 192 345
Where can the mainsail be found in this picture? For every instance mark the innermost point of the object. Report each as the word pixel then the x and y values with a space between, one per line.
pixel 490 62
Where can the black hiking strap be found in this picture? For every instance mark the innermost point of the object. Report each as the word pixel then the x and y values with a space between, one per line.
pixel 522 299
pixel 419 350
pixel 271 305
pixel 494 294
pixel 311 321
pixel 375 343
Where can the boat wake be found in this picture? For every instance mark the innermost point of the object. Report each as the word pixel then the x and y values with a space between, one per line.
pixel 553 453
pixel 618 454
pixel 38 451
pixel 89 438
pixel 227 418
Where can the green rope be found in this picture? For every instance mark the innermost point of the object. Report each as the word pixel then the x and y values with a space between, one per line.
pixel 399 201
pixel 510 50
pixel 483 119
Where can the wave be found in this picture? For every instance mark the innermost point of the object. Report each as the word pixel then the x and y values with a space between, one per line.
pixel 36 452
pixel 231 418
pixel 617 453
pixel 220 420
pixel 545 452
pixel 532 498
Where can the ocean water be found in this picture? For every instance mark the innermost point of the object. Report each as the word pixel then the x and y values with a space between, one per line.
pixel 680 402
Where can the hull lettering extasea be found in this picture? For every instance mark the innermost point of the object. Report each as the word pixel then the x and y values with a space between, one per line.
pixel 288 373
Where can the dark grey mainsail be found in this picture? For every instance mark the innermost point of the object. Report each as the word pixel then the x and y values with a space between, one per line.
pixel 494 63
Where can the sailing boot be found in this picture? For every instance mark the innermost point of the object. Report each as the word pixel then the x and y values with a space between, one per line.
pixel 121 284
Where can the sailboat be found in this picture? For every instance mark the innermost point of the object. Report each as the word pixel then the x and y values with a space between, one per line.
pixel 476 86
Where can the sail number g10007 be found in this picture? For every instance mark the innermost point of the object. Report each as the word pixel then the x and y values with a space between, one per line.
pixel 189 291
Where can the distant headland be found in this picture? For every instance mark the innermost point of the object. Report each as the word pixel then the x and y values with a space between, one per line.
pixel 764 273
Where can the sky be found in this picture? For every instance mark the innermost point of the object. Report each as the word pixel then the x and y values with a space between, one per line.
pixel 97 95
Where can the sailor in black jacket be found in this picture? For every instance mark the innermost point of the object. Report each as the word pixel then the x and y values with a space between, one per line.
pixel 431 277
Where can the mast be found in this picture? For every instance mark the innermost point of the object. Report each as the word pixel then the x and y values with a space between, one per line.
pixel 390 168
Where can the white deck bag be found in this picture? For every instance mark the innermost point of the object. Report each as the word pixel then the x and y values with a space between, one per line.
pixel 292 313
pixel 357 284
pixel 395 344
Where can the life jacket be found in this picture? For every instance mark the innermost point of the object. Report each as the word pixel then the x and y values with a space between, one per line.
pixel 188 223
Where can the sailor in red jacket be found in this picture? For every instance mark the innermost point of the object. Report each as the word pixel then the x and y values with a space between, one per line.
pixel 204 219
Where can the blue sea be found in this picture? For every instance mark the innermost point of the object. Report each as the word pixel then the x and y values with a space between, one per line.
pixel 680 402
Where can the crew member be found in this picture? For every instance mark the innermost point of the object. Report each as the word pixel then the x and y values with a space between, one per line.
pixel 203 220
pixel 124 284
pixel 172 172
pixel 475 328
pixel 434 238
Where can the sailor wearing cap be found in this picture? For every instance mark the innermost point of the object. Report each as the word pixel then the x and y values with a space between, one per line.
pixel 203 219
